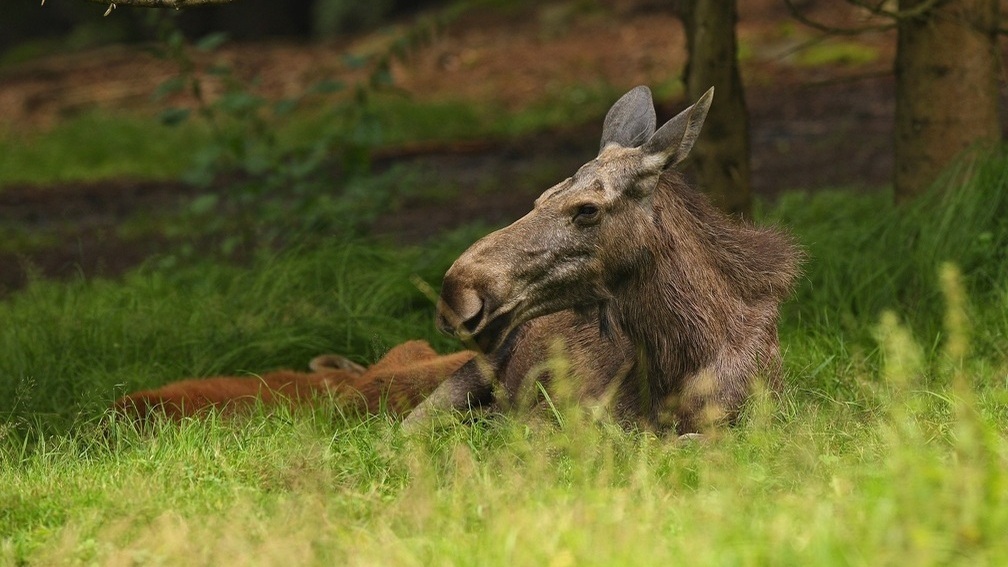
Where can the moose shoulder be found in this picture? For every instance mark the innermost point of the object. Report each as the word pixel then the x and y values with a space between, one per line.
pixel 666 307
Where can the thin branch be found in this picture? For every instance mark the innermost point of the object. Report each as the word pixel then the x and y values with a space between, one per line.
pixel 176 4
pixel 832 30
pixel 910 13
pixel 801 47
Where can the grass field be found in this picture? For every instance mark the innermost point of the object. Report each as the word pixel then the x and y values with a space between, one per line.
pixel 888 447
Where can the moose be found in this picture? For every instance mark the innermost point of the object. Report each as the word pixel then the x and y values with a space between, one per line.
pixel 664 308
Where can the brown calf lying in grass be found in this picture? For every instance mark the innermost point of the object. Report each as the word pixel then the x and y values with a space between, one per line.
pixel 398 382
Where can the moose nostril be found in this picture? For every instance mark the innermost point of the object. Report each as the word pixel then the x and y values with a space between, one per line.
pixel 468 308
pixel 472 322
pixel 463 308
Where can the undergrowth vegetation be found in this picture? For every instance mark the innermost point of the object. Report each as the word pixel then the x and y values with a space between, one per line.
pixel 68 151
pixel 887 447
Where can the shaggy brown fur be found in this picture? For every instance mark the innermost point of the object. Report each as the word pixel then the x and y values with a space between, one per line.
pixel 397 383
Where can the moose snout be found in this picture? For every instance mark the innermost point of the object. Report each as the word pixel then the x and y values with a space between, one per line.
pixel 474 293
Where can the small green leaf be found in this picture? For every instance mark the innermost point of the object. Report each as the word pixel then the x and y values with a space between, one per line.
pixel 203 204
pixel 219 70
pixel 171 86
pixel 354 61
pixel 382 77
pixel 257 162
pixel 176 40
pixel 239 102
pixel 212 41
pixel 174 116
pixel 327 86
pixel 285 106
pixel 230 244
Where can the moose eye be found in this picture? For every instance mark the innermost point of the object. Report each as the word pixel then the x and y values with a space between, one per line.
pixel 586 214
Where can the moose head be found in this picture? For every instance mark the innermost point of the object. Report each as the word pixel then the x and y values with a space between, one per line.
pixel 585 236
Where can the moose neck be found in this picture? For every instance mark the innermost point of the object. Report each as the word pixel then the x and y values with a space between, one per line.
pixel 681 307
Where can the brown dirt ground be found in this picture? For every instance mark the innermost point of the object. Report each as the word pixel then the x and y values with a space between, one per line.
pixel 822 126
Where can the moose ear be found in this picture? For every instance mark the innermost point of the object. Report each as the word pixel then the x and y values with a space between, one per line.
pixel 630 121
pixel 674 140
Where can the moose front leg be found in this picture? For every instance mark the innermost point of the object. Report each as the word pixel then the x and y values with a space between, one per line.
pixel 470 387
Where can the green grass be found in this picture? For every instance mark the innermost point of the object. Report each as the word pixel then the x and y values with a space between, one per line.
pixel 836 52
pixel 818 485
pixel 102 145
pixel 70 348
pixel 96 146
pixel 888 447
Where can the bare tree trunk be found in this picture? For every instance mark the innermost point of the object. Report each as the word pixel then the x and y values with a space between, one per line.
pixel 947 70
pixel 721 155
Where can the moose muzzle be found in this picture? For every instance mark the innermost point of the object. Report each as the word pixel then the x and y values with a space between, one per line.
pixel 470 311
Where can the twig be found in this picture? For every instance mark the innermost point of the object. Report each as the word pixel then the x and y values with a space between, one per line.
pixel 176 4
pixel 798 15
pixel 910 13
